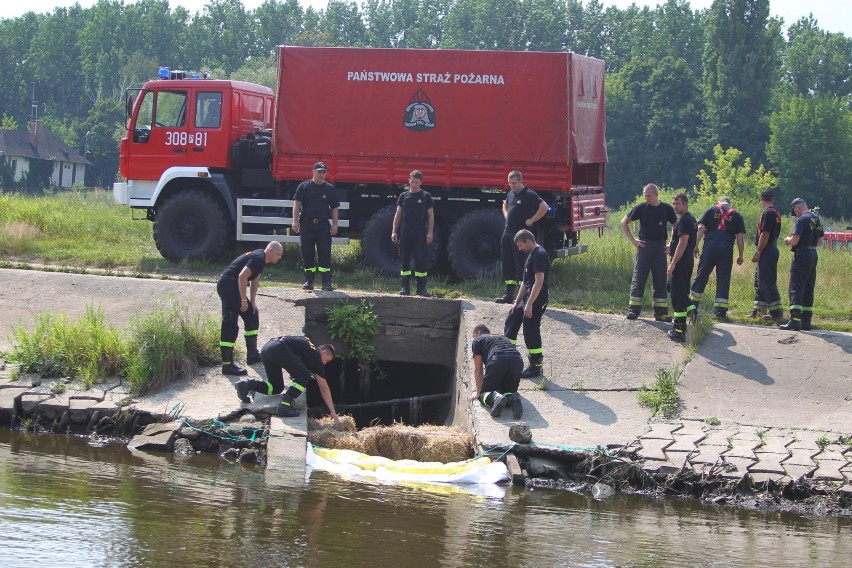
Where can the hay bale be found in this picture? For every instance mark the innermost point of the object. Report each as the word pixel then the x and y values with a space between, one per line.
pixel 399 441
pixel 342 424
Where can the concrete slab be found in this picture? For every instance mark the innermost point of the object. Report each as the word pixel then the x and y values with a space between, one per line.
pixel 745 374
pixel 285 450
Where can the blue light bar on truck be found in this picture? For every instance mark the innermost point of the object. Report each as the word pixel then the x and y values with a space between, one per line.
pixel 166 73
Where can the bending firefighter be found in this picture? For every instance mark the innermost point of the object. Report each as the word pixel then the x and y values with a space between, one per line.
pixel 497 369
pixel 304 362
pixel 239 301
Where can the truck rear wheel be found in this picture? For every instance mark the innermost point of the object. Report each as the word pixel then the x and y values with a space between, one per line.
pixel 381 252
pixel 474 243
pixel 191 225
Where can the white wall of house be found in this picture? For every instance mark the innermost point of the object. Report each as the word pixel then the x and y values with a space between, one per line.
pixel 66 174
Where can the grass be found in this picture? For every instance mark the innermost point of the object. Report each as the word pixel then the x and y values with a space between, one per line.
pixel 161 347
pixel 87 231
pixel 662 397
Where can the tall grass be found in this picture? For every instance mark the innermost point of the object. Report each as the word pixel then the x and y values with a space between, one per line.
pixel 161 347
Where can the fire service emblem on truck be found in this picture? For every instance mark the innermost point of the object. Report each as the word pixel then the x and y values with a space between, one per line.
pixel 419 114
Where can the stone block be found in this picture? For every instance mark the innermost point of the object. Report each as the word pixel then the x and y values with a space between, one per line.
pixel 9 396
pixel 652 448
pixel 708 455
pixel 718 437
pixel 775 445
pixel 660 431
pixel 31 401
pixel 768 463
pixel 741 449
pixel 678 458
pixel 736 467
pixel 157 437
pixel 286 452
pixel 805 440
pixel 686 441
pixel 802 457
pixel 53 408
pixel 831 452
pixel 80 409
pixel 760 479
pixel 749 433
pixel 798 471
pixel 829 470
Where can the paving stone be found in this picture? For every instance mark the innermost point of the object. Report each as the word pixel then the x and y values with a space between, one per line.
pixel 53 408
pixel 718 437
pixel 739 467
pixel 692 428
pixel 829 470
pixel 801 457
pixel 660 431
pixel 157 437
pixel 805 439
pixel 831 452
pixel 29 401
pixel 741 449
pixel 674 463
pixel 652 449
pixel 749 433
pixel 8 396
pixel 80 409
pixel 768 463
pixel 775 445
pixel 761 478
pixel 708 454
pixel 797 471
pixel 846 490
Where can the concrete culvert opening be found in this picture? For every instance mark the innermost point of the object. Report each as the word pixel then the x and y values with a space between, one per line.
pixel 414 380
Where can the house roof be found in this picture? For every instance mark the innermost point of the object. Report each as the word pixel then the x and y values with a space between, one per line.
pixel 38 143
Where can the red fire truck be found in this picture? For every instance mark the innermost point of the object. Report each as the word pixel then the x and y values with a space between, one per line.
pixel 210 161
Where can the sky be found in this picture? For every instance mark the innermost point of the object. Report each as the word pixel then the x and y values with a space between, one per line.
pixel 832 15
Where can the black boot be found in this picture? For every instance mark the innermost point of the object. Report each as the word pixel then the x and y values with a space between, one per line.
pixel 774 315
pixel 516 406
pixel 246 387
pixel 795 323
pixel 721 314
pixel 806 320
pixel 287 408
pixel 309 280
pixel 508 295
pixel 665 318
pixel 498 403
pixel 535 367
pixel 253 355
pixel 405 285
pixel 757 313
pixel 678 331
pixel 326 282
pixel 421 287
pixel 228 366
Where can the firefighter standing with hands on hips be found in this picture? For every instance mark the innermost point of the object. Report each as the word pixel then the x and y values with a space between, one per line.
pixel 237 288
pixel 807 236
pixel 415 213
pixel 315 203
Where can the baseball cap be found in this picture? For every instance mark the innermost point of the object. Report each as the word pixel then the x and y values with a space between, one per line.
pixel 320 166
pixel 794 203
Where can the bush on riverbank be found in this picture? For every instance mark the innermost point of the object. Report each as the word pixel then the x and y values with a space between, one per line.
pixel 161 347
pixel 79 230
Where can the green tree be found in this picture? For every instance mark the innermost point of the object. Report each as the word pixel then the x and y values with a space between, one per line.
pixel 810 146
pixel 8 122
pixel 276 23
pixel 817 62
pixel 342 24
pixel 484 24
pixel 725 177
pixel 740 62
pixel 105 125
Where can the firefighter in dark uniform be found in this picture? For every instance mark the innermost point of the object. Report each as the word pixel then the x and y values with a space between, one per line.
pixel 315 203
pixel 680 267
pixel 653 215
pixel 413 226
pixel 237 288
pixel 497 367
pixel 807 236
pixel 530 303
pixel 720 226
pixel 766 295
pixel 522 208
pixel 304 362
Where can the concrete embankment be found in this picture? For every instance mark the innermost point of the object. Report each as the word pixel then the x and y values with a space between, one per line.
pixel 758 404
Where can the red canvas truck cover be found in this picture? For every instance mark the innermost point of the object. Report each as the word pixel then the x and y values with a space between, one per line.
pixel 375 113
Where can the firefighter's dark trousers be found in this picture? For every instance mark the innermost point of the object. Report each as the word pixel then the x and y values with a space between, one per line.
pixel 277 357
pixel 502 374
pixel 803 279
pixel 229 293
pixel 650 258
pixel 512 260
pixel 531 326
pixel 717 255
pixel 412 243
pixel 681 277
pixel 766 295
pixel 315 240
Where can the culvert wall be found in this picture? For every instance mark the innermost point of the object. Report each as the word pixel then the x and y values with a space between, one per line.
pixel 421 352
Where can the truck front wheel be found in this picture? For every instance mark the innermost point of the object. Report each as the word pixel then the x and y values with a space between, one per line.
pixel 191 225
pixel 474 243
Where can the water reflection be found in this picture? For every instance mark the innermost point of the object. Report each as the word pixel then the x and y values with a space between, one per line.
pixel 64 502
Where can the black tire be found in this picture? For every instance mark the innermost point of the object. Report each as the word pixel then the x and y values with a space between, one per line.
pixel 474 244
pixel 191 225
pixel 381 252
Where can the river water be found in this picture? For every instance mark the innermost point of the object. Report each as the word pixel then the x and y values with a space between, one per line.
pixel 67 502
